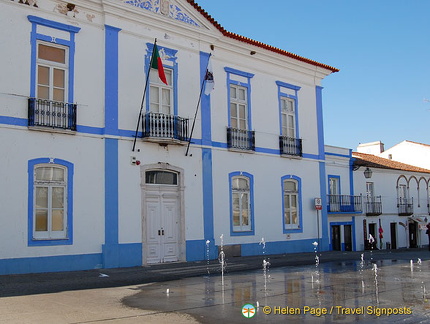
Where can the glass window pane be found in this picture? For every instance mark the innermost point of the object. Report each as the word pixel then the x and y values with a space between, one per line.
pixel 168 73
pixel 166 96
pixel 236 218
pixel 49 174
pixel 59 77
pixel 242 124
pixel 233 92
pixel 242 94
pixel 42 92
pixel 57 220
pixel 58 95
pixel 290 185
pixel 43 75
pixel 57 197
pixel 41 197
pixel 41 223
pixel 50 53
pixel 161 177
pixel 242 111
pixel 233 110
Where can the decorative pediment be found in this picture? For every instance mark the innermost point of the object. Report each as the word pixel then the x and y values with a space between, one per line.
pixel 166 8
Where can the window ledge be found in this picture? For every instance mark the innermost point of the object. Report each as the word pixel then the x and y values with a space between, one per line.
pixel 49 129
pixel 291 156
pixel 165 140
pixel 238 150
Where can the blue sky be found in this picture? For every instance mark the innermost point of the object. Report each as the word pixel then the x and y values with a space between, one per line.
pixel 382 48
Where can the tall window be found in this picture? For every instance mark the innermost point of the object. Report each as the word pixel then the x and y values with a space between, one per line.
pixel 291 204
pixel 52 68
pixel 238 107
pixel 288 117
pixel 161 95
pixel 50 202
pixel 241 202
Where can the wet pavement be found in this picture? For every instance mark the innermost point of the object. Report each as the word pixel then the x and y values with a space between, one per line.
pixel 340 288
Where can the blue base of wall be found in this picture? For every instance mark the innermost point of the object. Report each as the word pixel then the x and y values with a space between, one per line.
pixel 122 255
pixel 50 264
pixel 197 250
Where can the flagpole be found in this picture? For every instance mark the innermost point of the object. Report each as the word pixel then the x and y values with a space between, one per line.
pixel 144 93
pixel 197 108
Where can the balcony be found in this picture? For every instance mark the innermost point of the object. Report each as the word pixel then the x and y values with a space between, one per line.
pixel 240 139
pixel 161 128
pixel 405 206
pixel 344 204
pixel 373 206
pixel 290 146
pixel 51 114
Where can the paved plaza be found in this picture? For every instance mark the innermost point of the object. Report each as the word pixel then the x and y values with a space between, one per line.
pixel 343 287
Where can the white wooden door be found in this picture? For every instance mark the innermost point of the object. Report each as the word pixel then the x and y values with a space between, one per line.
pixel 162 226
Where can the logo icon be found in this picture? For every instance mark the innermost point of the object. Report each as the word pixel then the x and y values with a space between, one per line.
pixel 248 310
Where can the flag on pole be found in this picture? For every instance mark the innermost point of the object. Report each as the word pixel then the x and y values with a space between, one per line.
pixel 209 79
pixel 157 64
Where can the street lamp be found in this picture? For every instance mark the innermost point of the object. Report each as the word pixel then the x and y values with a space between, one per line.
pixel 367 173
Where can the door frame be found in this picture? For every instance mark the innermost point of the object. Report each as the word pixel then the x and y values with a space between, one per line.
pixel 145 188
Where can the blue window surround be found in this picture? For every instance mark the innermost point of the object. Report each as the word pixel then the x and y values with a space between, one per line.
pixel 171 53
pixel 246 85
pixel 35 36
pixel 70 171
pixel 299 201
pixel 282 94
pixel 251 202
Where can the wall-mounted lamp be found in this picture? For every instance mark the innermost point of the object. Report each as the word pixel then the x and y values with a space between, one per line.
pixel 252 52
pixel 368 173
pixel 212 47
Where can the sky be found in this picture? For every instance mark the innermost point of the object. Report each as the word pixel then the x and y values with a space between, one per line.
pixel 381 47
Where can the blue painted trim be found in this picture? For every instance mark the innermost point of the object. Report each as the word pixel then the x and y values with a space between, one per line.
pixel 111 191
pixel 171 54
pixel 122 255
pixel 288 85
pixel 69 233
pixel 279 247
pixel 197 250
pixel 35 36
pixel 50 264
pixel 251 202
pixel 336 154
pixel 111 80
pixel 205 111
pixel 351 175
pixel 299 198
pixel 323 213
pixel 90 130
pixel 248 92
pixel 238 72
pixel 53 24
pixel 13 121
pixel 207 170
pixel 320 123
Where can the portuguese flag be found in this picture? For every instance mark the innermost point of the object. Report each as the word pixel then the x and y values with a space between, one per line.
pixel 157 64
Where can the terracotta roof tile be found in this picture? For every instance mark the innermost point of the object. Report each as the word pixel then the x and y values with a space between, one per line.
pixel 256 43
pixel 373 161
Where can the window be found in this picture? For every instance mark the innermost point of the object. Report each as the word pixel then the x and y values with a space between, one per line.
pixel 291 203
pixel 239 133
pixel 50 198
pixel 288 117
pixel 289 141
pixel 241 203
pixel 52 68
pixel 238 107
pixel 161 177
pixel 50 202
pixel 161 95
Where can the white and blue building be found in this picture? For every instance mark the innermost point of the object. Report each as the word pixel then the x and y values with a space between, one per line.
pixel 81 188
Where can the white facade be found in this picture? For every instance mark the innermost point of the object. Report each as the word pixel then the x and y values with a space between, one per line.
pixel 75 195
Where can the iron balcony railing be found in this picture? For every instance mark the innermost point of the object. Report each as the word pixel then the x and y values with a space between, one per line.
pixel 373 206
pixel 53 114
pixel 405 206
pixel 344 204
pixel 290 145
pixel 240 139
pixel 162 126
